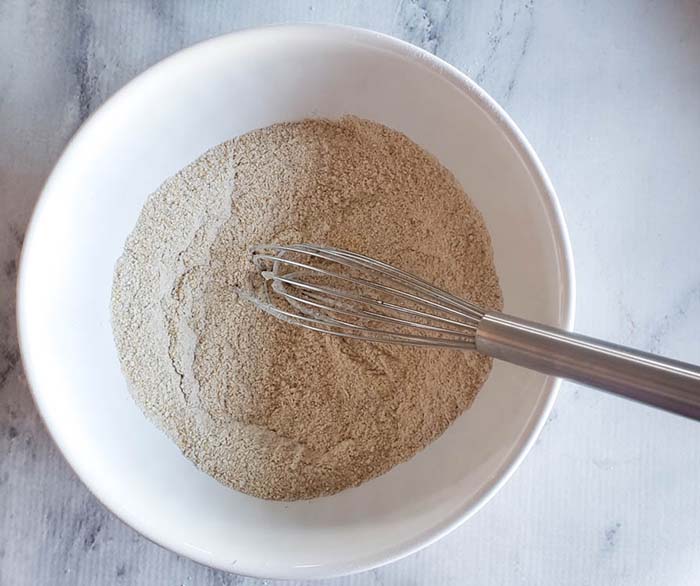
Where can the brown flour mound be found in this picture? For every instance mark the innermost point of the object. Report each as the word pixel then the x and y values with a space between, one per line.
pixel 269 409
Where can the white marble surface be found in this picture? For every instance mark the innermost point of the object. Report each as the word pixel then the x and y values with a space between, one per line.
pixel 609 95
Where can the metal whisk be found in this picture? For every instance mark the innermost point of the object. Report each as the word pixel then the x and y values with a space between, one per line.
pixel 350 295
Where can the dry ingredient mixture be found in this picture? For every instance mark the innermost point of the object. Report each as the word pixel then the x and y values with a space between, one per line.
pixel 267 408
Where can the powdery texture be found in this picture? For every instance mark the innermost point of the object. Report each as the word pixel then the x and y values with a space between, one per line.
pixel 267 408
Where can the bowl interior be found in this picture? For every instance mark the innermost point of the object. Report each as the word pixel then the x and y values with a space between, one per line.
pixel 155 126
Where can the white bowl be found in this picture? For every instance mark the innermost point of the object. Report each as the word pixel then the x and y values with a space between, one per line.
pixel 157 124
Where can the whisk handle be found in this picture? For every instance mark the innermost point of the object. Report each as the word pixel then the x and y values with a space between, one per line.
pixel 667 384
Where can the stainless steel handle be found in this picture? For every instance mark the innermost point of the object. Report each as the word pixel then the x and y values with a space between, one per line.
pixel 661 382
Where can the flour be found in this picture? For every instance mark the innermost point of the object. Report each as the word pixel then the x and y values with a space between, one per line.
pixel 266 408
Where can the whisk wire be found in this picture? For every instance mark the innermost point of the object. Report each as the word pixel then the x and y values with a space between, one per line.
pixel 345 295
pixel 315 302
pixel 354 280
pixel 370 293
pixel 376 335
pixel 360 262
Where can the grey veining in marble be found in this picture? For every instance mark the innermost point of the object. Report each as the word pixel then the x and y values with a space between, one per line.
pixel 609 95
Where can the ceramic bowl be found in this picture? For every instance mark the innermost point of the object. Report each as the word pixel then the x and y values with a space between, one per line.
pixel 166 118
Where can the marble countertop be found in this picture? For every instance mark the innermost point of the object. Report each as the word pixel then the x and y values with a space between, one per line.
pixel 608 93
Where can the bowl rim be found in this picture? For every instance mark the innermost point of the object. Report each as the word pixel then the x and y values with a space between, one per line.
pixel 530 433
